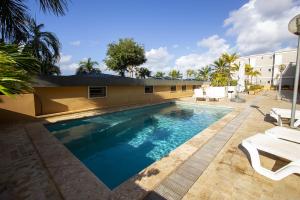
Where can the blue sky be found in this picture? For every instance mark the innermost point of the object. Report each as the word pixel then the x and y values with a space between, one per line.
pixel 176 34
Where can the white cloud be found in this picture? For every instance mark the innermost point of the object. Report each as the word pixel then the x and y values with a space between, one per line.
pixel 75 43
pixel 214 47
pixel 65 58
pixel 158 59
pixel 68 68
pixel 214 44
pixel 261 25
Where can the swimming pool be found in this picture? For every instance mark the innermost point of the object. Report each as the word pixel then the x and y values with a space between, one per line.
pixel 118 145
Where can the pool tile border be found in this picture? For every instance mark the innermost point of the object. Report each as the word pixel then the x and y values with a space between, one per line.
pixel 75 181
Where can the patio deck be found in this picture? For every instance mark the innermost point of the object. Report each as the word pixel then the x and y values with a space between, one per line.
pixel 217 169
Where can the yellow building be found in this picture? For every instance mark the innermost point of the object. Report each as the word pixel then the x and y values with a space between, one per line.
pixel 65 94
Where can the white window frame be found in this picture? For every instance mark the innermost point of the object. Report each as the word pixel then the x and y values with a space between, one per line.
pixel 152 90
pixel 97 97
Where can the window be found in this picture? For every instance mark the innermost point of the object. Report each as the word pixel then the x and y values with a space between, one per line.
pixel 269 70
pixel 96 92
pixel 173 88
pixel 268 81
pixel 196 86
pixel 148 89
pixel 183 88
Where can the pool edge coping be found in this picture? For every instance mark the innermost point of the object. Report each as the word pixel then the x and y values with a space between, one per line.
pixel 136 186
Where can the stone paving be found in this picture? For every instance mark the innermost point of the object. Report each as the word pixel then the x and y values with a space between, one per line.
pixel 216 170
pixel 22 174
pixel 230 175
pixel 180 181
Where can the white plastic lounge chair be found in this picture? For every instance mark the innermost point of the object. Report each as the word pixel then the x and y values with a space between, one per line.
pixel 280 113
pixel 284 133
pixel 280 148
pixel 215 92
pixel 199 94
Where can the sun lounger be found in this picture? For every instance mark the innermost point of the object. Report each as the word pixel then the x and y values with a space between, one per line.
pixel 279 114
pixel 280 148
pixel 284 133
pixel 215 92
pixel 199 94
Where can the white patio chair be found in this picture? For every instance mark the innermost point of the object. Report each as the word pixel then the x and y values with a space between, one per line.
pixel 199 94
pixel 280 113
pixel 284 133
pixel 215 92
pixel 280 148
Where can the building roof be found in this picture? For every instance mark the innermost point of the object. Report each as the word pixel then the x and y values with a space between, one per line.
pixel 104 80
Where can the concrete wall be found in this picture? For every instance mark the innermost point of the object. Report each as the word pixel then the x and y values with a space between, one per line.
pixel 16 108
pixel 62 99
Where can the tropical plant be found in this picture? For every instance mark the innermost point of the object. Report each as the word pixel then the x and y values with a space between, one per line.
pixel 14 14
pixel 220 73
pixel 229 60
pixel 159 74
pixel 250 72
pixel 204 73
pixel 44 46
pixel 219 79
pixel 143 72
pixel 124 56
pixel 49 68
pixel 16 70
pixel 190 73
pixel 87 67
pixel 174 74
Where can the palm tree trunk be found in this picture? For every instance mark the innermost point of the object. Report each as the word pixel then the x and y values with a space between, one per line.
pixel 279 88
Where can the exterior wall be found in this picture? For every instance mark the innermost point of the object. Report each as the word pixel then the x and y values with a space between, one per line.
pixel 268 65
pixel 61 99
pixel 16 108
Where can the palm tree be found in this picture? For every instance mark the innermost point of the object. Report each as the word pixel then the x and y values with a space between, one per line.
pixel 16 70
pixel 44 46
pixel 190 73
pixel 219 76
pixel 250 72
pixel 159 74
pixel 230 59
pixel 174 74
pixel 14 14
pixel 204 73
pixel 143 72
pixel 87 67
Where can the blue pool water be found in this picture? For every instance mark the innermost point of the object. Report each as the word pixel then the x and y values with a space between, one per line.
pixel 118 145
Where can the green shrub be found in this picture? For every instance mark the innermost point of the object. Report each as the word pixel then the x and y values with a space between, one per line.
pixel 255 87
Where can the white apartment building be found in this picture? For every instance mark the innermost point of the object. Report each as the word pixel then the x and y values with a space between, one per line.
pixel 268 65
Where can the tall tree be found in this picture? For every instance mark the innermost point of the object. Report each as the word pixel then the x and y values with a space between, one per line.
pixel 14 14
pixel 159 74
pixel 16 70
pixel 124 56
pixel 13 17
pixel 219 76
pixel 229 60
pixel 143 72
pixel 204 73
pixel 87 67
pixel 250 72
pixel 44 46
pixel 175 74
pixel 190 73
